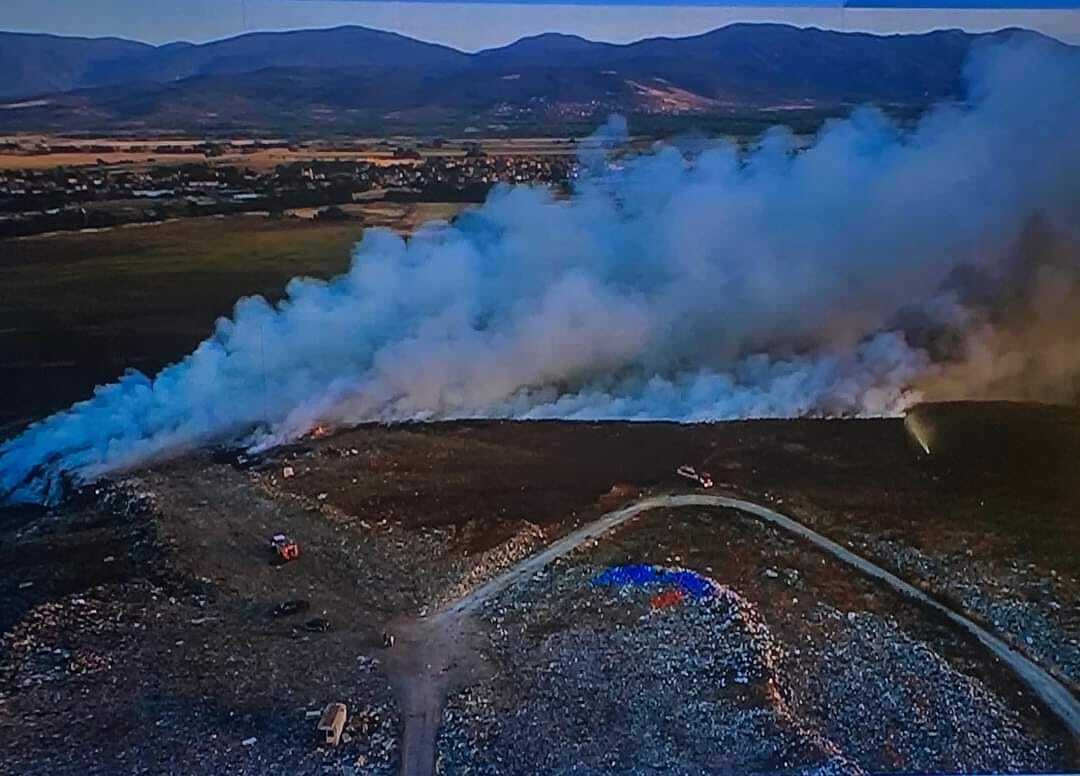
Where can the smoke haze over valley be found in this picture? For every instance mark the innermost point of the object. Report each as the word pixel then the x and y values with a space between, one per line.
pixel 853 277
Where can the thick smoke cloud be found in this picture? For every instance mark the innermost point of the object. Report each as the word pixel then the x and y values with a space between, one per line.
pixel 1010 332
pixel 764 283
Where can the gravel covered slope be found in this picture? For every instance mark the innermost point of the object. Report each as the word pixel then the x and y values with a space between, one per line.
pixel 595 680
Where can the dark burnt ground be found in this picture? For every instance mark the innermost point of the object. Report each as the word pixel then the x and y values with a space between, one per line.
pixel 149 641
pixel 45 558
pixel 145 641
pixel 1005 481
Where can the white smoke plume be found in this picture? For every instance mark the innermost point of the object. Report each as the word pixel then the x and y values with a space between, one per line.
pixel 733 284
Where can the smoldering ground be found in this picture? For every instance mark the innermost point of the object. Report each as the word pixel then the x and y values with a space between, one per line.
pixel 770 282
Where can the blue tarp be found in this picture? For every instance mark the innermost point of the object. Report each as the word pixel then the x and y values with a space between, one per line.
pixel 641 574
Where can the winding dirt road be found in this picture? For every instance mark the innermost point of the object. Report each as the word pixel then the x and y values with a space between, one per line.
pixel 435 647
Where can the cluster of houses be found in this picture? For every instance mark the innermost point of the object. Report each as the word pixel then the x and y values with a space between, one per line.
pixel 100 195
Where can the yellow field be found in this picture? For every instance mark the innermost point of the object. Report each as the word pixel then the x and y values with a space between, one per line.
pixel 122 152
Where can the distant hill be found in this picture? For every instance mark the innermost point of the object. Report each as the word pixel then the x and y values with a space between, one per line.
pixel 353 77
pixel 49 63
pixel 342 48
pixel 34 64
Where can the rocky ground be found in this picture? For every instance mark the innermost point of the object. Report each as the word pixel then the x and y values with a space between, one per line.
pixel 779 679
pixel 91 675
pixel 143 628
pixel 594 681
pixel 1034 608
pixel 171 664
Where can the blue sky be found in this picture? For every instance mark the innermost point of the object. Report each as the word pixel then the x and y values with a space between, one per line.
pixel 475 25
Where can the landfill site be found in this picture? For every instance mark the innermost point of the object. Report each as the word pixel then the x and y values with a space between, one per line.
pixel 488 597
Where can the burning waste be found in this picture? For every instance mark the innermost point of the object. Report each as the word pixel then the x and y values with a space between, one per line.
pixel 723 284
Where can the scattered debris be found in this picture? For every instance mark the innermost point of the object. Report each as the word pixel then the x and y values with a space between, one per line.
pixel 238 459
pixel 387 640
pixel 285 548
pixel 666 599
pixel 288 472
pixel 631 664
pixel 317 625
pixel 332 723
pixel 570 652
pixel 289 608
pixel 704 479
pixel 1018 600
pixel 802 706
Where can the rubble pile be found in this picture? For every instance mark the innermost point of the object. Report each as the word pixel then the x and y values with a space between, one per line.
pixel 1015 599
pixel 483 566
pixel 895 703
pixel 128 497
pixel 593 677
pixel 63 639
pixel 370 742
pixel 601 679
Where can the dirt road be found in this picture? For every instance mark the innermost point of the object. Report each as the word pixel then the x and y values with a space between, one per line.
pixel 437 637
pixel 431 656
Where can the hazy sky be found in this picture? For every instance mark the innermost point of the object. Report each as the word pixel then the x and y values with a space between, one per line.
pixel 473 26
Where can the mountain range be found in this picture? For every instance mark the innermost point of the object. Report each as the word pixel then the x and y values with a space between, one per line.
pixel 354 77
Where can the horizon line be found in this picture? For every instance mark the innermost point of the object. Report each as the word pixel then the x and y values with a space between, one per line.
pixel 857 5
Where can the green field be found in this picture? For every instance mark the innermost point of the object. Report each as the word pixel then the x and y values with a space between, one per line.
pixel 77 309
